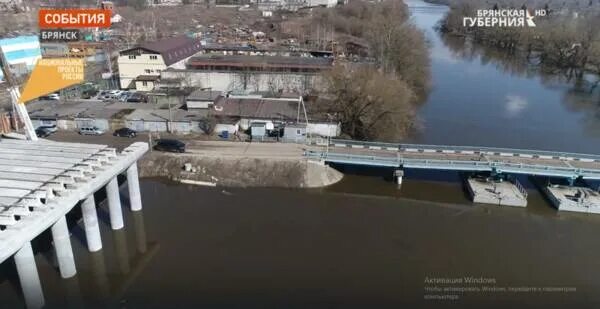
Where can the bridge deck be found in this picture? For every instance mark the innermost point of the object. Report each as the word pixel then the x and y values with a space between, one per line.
pixel 560 164
pixel 41 181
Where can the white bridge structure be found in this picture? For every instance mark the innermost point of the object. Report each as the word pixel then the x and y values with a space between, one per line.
pixel 40 182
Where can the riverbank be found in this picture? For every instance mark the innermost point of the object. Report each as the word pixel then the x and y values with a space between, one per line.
pixel 561 40
pixel 230 171
pixel 225 163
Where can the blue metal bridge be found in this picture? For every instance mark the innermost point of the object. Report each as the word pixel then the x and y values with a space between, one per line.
pixel 461 158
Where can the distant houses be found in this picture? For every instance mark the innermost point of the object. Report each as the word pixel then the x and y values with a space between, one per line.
pixel 192 88
pixel 203 112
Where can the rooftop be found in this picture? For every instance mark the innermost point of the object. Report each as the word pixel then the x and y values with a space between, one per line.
pixel 261 62
pixel 204 95
pixel 148 78
pixel 171 49
pixel 257 108
pixel 163 115
pixel 79 109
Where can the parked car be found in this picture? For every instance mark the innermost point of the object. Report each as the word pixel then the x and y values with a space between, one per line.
pixel 49 128
pixel 108 97
pixel 88 94
pixel 124 96
pixel 41 132
pixel 137 98
pixel 115 93
pixel 171 145
pixel 51 97
pixel 91 131
pixel 125 132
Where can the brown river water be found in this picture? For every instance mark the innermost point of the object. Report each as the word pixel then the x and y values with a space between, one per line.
pixel 361 243
pixel 340 247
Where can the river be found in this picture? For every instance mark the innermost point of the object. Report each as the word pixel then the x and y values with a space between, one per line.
pixel 484 97
pixel 195 247
pixel 362 243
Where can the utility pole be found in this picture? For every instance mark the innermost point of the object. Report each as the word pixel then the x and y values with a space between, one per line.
pixel 15 94
pixel 170 112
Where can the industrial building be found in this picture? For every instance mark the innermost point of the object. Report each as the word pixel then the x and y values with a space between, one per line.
pixel 250 73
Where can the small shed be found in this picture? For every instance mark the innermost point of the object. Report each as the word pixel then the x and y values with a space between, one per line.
pixel 258 131
pixel 226 124
pixel 294 133
pixel 202 99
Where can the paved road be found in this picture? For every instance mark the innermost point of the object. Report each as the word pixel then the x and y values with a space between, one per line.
pixel 242 149
pixel 200 145
pixel 195 145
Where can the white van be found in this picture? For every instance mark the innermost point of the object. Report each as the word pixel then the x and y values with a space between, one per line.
pixel 91 131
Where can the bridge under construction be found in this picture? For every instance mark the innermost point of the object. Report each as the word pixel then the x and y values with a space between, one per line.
pixel 40 182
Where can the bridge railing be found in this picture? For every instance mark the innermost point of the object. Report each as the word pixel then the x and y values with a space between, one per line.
pixel 465 165
pixel 466 149
pixel 520 187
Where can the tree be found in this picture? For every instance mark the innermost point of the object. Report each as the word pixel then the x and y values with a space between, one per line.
pixel 368 103
pixel 208 124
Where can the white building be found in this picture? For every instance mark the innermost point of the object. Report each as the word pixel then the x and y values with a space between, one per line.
pixel 325 3
pixel 149 59
pixel 21 52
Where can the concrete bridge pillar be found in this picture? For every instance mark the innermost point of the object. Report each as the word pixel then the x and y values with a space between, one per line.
pixel 99 275
pixel 63 249
pixel 140 231
pixel 399 174
pixel 28 277
pixel 121 251
pixel 90 223
pixel 133 183
pixel 114 204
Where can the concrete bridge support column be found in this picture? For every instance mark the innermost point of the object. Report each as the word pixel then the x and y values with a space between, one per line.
pixel 63 249
pixel 140 231
pixel 133 183
pixel 399 174
pixel 121 251
pixel 90 223
pixel 28 277
pixel 114 204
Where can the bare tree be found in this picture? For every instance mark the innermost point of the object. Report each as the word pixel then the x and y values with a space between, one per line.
pixel 368 103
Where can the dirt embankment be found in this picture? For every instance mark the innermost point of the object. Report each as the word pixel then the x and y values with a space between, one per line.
pixel 239 172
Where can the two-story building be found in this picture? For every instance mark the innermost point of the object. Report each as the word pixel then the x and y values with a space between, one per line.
pixel 149 59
